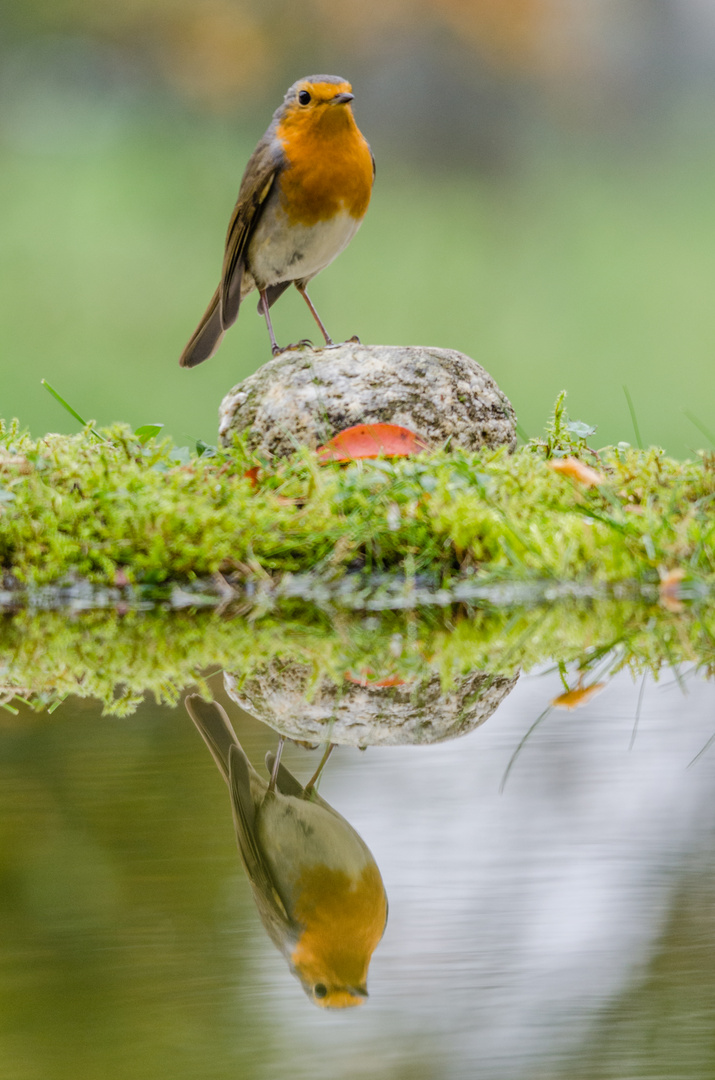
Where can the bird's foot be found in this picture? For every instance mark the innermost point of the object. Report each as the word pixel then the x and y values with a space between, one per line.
pixel 304 343
pixel 354 340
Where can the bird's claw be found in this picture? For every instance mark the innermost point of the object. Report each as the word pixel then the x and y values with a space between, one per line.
pixel 304 343
pixel 354 340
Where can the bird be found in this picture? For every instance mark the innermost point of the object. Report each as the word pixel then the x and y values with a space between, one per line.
pixel 303 196
pixel 316 885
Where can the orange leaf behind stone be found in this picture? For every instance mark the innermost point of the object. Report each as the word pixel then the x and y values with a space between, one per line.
pixel 577 470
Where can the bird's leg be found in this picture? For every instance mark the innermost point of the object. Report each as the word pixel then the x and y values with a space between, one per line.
pixel 314 313
pixel 316 775
pixel 275 347
pixel 276 763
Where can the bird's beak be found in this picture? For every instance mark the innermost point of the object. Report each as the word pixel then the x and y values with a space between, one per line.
pixel 342 99
pixel 359 991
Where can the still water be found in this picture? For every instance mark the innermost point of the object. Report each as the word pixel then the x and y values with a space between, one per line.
pixel 559 922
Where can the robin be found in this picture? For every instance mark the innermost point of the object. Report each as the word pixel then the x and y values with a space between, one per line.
pixel 302 198
pixel 314 880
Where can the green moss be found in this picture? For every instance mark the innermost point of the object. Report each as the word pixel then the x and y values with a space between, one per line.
pixel 145 512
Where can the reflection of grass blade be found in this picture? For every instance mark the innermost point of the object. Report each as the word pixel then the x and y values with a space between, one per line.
pixel 704 750
pixel 521 745
pixel 700 426
pixel 672 662
pixel 638 712
pixel 632 411
pixel 66 405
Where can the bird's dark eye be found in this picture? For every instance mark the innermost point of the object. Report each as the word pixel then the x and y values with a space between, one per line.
pixel 320 990
pixel 304 99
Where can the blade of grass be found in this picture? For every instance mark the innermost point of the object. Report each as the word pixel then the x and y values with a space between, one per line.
pixel 70 410
pixel 700 426
pixel 632 411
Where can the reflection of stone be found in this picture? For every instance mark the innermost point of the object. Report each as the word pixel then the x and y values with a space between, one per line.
pixel 306 396
pixel 283 695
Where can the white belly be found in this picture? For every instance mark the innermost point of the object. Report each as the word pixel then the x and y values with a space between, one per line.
pixel 281 252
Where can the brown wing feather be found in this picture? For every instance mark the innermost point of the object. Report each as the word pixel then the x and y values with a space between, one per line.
pixel 255 188
pixel 261 171
pixel 207 336
pixel 215 729
pixel 281 929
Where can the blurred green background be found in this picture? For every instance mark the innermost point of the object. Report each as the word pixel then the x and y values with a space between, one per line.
pixel 544 199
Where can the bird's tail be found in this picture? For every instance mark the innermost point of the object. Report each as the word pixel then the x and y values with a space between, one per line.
pixel 215 729
pixel 207 336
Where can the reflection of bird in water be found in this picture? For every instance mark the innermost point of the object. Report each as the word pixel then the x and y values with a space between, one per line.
pixel 315 882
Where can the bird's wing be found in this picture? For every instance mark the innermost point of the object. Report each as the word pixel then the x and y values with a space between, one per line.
pixel 272 294
pixel 270 906
pixel 258 179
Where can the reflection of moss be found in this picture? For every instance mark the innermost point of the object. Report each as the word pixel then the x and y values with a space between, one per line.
pixel 117 658
pixel 120 510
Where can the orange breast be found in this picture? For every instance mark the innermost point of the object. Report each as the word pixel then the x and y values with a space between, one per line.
pixel 329 165
pixel 343 919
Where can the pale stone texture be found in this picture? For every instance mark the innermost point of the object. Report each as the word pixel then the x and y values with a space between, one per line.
pixel 305 396
pixel 284 697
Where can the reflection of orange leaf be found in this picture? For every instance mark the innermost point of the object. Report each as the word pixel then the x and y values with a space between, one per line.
pixel 571 466
pixel 573 698
pixel 670 589
pixel 367 677
pixel 370 441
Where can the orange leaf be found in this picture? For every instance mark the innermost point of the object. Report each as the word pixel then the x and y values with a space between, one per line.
pixel 573 698
pixel 571 466
pixel 371 441
pixel 252 475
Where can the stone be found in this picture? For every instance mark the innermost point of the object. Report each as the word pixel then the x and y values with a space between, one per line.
pixel 285 696
pixel 305 396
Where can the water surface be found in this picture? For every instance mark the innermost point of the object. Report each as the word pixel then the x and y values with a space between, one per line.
pixel 560 923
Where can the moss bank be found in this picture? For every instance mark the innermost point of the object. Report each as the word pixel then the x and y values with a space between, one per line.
pixel 130 510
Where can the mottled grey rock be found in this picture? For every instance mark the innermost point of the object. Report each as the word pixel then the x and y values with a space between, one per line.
pixel 284 697
pixel 304 397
